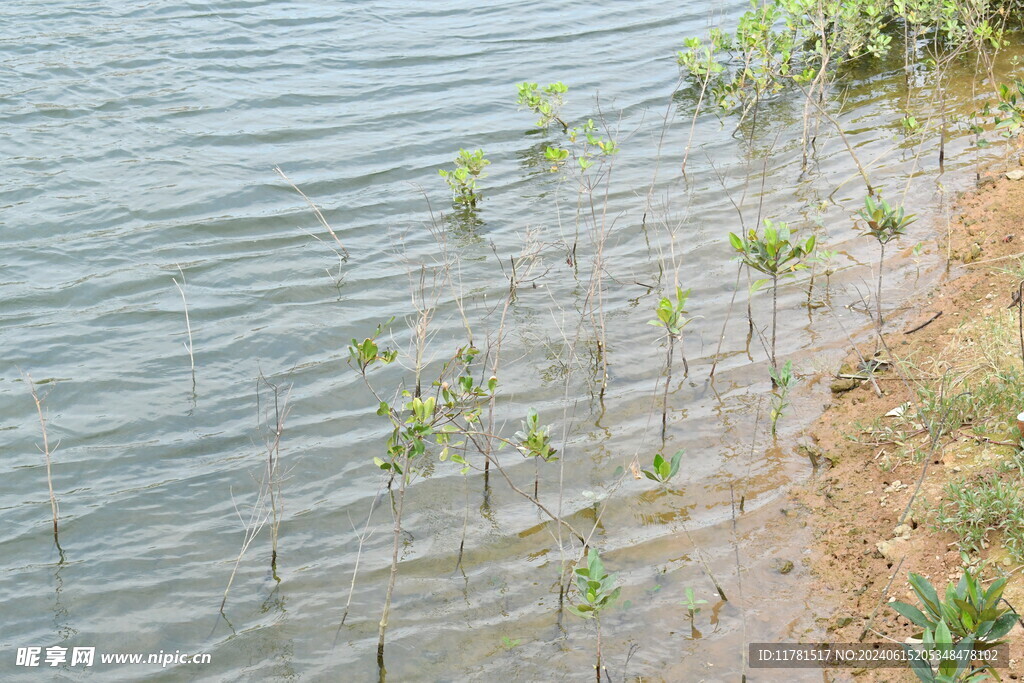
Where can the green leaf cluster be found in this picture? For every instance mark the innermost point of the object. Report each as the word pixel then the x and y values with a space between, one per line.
pixel 596 587
pixel 534 439
pixel 545 102
pixel 366 353
pixel 775 252
pixel 784 380
pixel 672 314
pixel 884 222
pixel 1013 114
pixel 663 469
pixel 779 43
pixel 462 180
pixel 692 605
pixel 970 617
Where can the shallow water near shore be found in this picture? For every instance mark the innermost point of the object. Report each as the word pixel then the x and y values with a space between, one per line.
pixel 140 138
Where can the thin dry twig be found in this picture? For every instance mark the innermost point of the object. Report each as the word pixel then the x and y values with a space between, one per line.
pixel 316 210
pixel 46 452
pixel 188 324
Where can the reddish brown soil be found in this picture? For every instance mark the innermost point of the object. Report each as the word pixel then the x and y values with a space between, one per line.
pixel 854 503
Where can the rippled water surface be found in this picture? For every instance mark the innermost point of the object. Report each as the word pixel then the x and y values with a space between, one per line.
pixel 138 138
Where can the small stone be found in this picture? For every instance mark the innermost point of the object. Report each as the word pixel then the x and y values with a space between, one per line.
pixel 890 550
pixel 975 253
pixel 1007 562
pixel 1015 175
pixel 841 386
pixel 903 531
pixel 782 566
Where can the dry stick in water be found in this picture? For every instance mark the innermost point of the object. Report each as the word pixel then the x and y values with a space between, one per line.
pixel 257 518
pixel 842 135
pixel 47 453
pixel 359 554
pixel 316 210
pixel 668 381
pixel 703 563
pixel 735 538
pixel 393 574
pixel 188 325
pixel 273 446
pixel 739 579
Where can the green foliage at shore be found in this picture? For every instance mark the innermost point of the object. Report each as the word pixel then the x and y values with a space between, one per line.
pixel 781 43
pixel 982 512
pixel 970 618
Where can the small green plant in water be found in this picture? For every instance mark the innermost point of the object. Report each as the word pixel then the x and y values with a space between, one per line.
pixel 545 102
pixel 783 379
pixel 367 353
pixel 885 223
pixel 588 147
pixel 534 439
pixel 597 591
pixel 462 180
pixel 692 606
pixel 777 43
pixel 970 618
pixel 672 314
pixel 509 643
pixel 663 469
pixel 596 587
pixel 672 318
pixel 776 253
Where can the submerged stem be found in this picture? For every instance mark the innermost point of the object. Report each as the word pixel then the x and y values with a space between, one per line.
pixel 383 626
pixel 878 294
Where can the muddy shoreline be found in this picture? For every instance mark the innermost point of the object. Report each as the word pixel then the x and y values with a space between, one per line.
pixel 870 529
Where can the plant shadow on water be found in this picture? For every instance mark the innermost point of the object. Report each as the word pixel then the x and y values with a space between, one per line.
pixel 464 227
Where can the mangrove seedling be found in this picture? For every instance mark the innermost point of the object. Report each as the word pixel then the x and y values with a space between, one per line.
pixel 545 102
pixel 596 594
pixel 672 317
pixel 827 260
pixel 783 380
pixel 534 439
pixel 510 643
pixel 663 469
pixel 692 606
pixel 462 180
pixel 1011 119
pixel 885 223
pixel 970 617
pixel 777 254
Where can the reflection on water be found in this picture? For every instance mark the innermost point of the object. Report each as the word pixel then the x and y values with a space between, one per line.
pixel 141 138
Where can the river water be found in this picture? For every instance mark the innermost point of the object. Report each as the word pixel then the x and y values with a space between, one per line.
pixel 141 137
